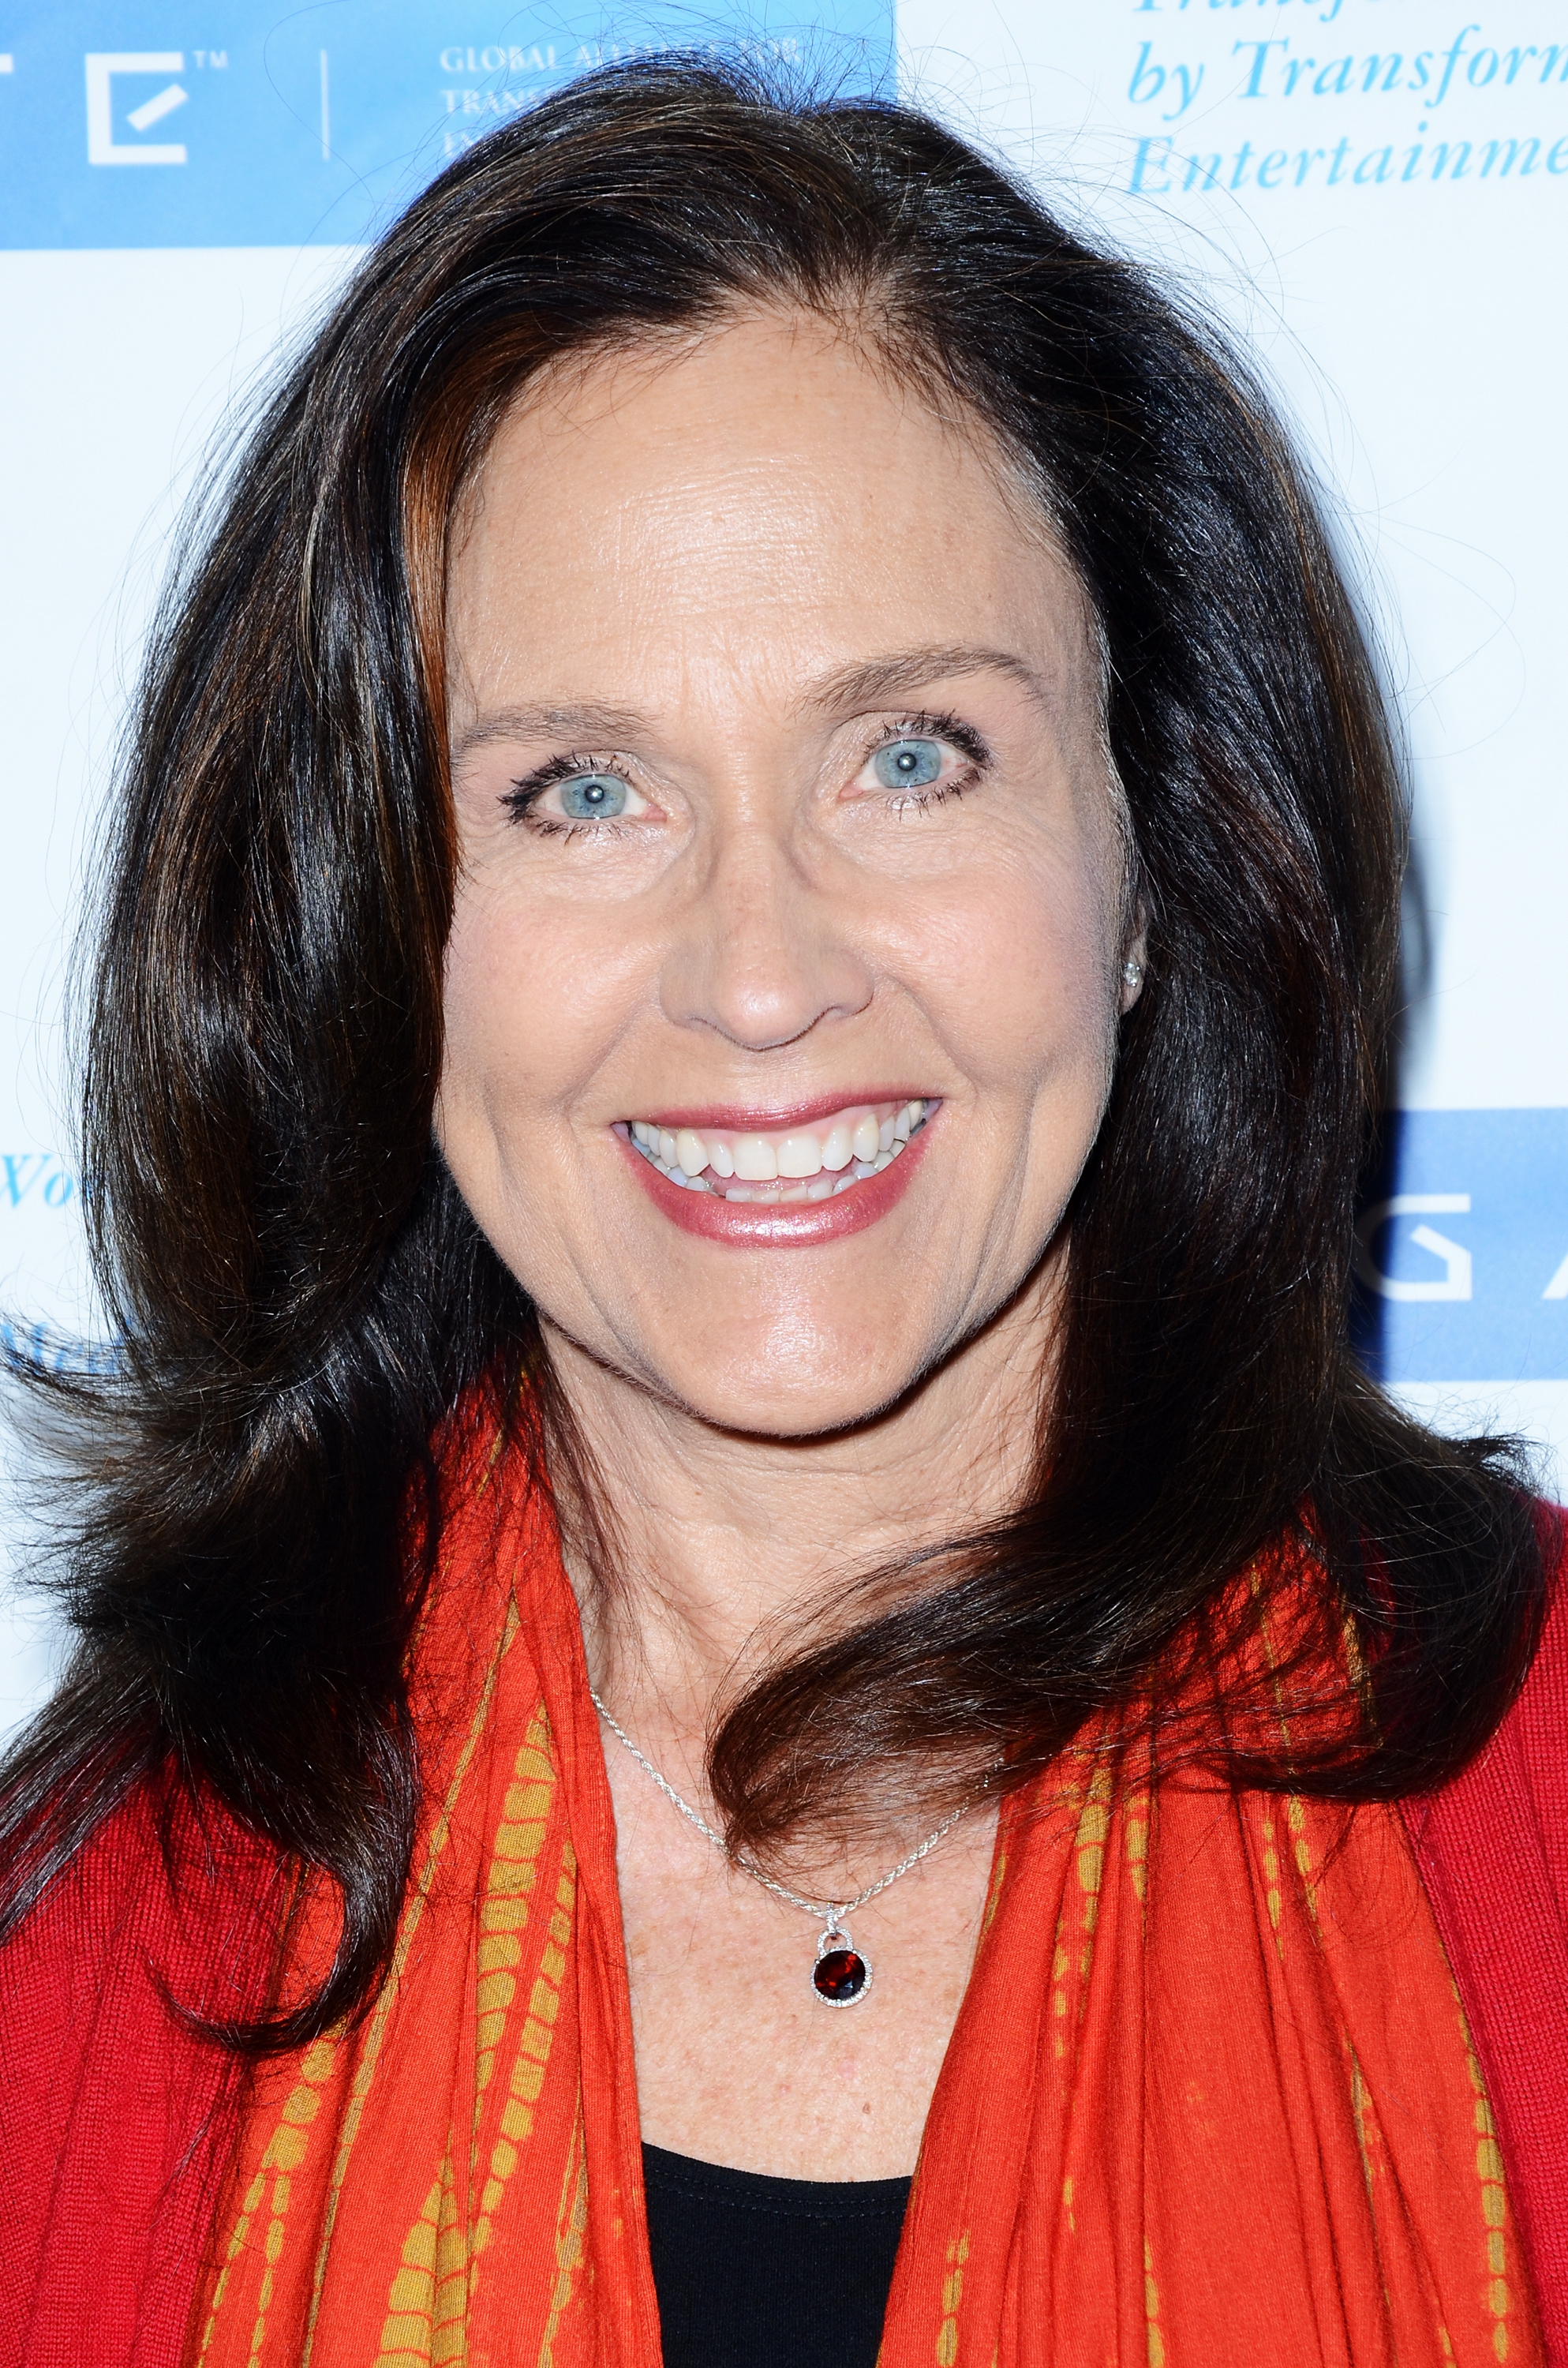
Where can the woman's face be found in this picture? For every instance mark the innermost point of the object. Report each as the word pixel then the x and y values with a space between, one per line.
pixel 790 860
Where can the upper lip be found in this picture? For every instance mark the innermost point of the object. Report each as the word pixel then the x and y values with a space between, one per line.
pixel 779 1116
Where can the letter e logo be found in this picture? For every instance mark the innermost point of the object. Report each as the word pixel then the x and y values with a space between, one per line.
pixel 103 65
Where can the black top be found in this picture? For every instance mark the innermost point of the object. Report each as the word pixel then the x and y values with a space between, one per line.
pixel 755 2272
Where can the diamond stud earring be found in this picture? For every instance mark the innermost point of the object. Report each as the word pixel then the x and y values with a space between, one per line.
pixel 1133 972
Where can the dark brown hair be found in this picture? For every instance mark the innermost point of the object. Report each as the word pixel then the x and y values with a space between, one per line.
pixel 304 1300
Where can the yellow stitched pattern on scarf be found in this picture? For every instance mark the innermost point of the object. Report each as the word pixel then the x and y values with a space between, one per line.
pixel 533 2055
pixel 1151 2309
pixel 570 2222
pixel 285 2152
pixel 427 2304
pixel 414 1909
pixel 1494 2197
pixel 952 2296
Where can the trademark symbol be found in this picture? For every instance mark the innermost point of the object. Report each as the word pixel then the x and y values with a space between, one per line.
pixel 213 58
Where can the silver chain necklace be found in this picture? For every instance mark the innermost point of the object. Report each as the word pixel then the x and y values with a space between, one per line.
pixel 841 1975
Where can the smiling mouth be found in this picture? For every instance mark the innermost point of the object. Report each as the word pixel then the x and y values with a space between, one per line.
pixel 801 1163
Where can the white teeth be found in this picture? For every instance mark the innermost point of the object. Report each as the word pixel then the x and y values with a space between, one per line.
pixel 800 1154
pixel 839 1149
pixel 756 1160
pixel 806 1166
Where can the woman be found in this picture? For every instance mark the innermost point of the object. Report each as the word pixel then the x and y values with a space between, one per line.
pixel 745 970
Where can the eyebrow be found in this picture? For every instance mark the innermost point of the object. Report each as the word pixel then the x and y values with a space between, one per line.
pixel 590 724
pixel 872 682
pixel 876 681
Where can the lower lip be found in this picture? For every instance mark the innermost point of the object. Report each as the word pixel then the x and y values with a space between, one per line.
pixel 797 1224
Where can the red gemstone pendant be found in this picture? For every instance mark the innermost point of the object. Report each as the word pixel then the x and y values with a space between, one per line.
pixel 841 1976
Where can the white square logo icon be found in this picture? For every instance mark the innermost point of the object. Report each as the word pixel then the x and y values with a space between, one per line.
pixel 103 65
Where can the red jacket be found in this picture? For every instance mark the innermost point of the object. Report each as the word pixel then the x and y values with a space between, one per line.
pixel 114 2120
pixel 1492 1849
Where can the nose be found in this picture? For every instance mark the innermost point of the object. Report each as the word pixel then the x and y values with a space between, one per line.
pixel 764 952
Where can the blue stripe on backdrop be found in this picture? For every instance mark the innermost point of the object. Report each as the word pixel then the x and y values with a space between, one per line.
pixel 244 123
pixel 1463 1248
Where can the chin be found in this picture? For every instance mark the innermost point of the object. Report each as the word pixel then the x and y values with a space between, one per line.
pixel 754 1399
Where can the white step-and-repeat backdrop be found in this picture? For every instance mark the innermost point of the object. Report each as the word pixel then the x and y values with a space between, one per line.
pixel 1374 194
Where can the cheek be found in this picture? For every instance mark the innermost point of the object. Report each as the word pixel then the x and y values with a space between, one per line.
pixel 1020 975
pixel 489 1003
pixel 530 1005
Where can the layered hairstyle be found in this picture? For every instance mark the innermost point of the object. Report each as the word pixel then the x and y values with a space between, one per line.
pixel 304 1304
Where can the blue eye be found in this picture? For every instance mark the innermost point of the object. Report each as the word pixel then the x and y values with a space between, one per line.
pixel 593 797
pixel 908 764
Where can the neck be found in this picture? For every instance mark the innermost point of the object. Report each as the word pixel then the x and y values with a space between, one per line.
pixel 724 1548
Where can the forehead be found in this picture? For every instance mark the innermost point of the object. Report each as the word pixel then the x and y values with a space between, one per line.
pixel 766 490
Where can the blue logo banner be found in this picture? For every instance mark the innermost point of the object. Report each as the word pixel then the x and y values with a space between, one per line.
pixel 232 124
pixel 1463 1248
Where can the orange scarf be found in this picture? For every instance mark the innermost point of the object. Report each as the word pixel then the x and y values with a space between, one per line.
pixel 1210 2100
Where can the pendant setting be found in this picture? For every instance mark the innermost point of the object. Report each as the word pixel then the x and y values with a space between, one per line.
pixel 841 1976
